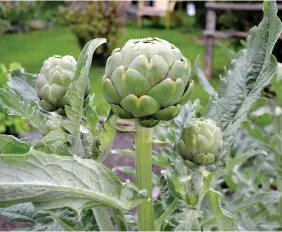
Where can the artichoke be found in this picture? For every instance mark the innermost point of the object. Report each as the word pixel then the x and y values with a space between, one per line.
pixel 54 80
pixel 201 143
pixel 148 79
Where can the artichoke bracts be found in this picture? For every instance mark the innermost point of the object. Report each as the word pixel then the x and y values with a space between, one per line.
pixel 53 82
pixel 201 143
pixel 148 79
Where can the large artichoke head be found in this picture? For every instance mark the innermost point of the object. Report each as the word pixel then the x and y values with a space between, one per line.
pixel 148 79
pixel 54 80
pixel 201 143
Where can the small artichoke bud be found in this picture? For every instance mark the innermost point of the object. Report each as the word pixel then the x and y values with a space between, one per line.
pixel 53 82
pixel 148 79
pixel 201 143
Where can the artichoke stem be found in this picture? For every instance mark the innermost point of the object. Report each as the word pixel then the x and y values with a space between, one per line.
pixel 199 179
pixel 144 139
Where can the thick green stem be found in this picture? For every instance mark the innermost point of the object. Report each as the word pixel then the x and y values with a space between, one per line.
pixel 103 219
pixel 144 138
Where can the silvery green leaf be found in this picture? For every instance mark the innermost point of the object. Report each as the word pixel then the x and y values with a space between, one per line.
pixel 92 117
pixel 20 212
pixel 224 220
pixel 174 184
pixel 260 198
pixel 188 220
pixel 12 145
pixel 167 205
pixel 59 220
pixel 232 167
pixel 207 184
pixel 23 84
pixel 56 141
pixel 276 84
pixel 108 134
pixel 51 181
pixel 76 93
pixel 249 72
pixel 24 108
pixel 204 81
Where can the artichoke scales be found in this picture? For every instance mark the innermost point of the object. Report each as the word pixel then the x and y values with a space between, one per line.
pixel 148 79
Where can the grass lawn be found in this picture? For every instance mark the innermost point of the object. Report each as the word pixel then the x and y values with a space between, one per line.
pixel 31 49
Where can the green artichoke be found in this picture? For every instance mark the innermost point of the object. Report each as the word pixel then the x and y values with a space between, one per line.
pixel 54 80
pixel 148 79
pixel 201 143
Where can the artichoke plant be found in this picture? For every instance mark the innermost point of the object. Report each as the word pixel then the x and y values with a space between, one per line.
pixel 148 79
pixel 53 82
pixel 201 143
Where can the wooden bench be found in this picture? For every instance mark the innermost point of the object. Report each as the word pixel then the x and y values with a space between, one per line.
pixel 161 9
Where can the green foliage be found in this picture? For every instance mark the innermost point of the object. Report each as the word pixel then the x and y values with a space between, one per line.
pixel 95 20
pixel 8 123
pixel 64 219
pixel 38 174
pixel 253 67
pixel 16 16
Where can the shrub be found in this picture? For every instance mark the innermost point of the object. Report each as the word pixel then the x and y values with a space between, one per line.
pixel 99 19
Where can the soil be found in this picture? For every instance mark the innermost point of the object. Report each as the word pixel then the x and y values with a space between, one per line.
pixel 122 141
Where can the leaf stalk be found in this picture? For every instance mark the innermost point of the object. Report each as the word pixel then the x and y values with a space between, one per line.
pixel 144 139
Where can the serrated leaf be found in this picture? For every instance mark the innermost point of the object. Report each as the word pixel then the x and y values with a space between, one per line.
pixel 260 198
pixel 59 220
pixel 203 80
pixel 23 84
pixel 224 219
pixel 188 220
pixel 12 145
pixel 276 84
pixel 168 203
pixel 174 184
pixel 92 117
pixel 76 92
pixel 24 108
pixel 20 212
pixel 248 73
pixel 207 184
pixel 108 134
pixel 51 181
pixel 231 164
